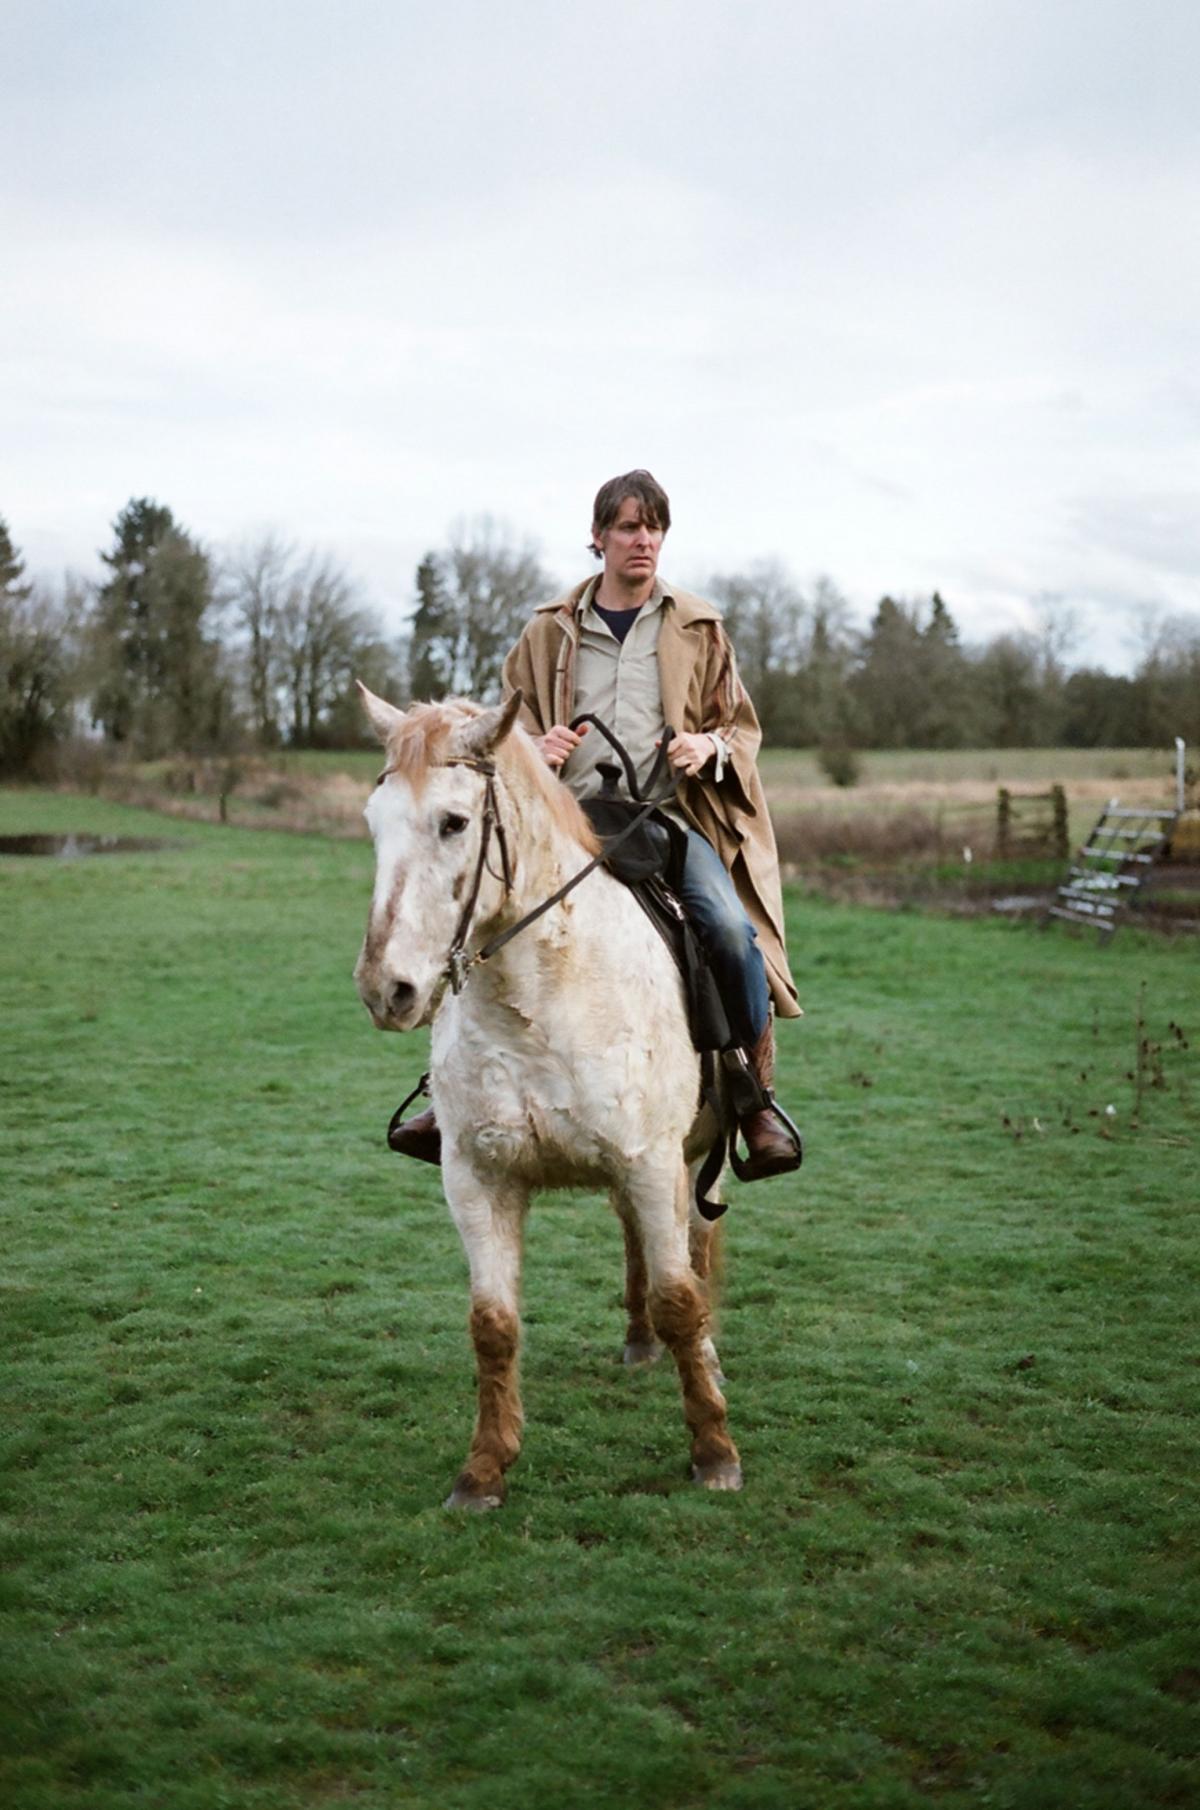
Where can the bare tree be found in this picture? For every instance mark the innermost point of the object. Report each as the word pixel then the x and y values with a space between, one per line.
pixel 473 597
pixel 257 576
pixel 765 615
pixel 304 636
pixel 40 669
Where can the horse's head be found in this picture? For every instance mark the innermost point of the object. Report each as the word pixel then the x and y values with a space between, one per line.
pixel 427 816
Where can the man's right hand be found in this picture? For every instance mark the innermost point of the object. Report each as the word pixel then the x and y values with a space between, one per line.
pixel 560 742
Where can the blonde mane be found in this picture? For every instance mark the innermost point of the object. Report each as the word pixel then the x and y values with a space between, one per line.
pixel 419 741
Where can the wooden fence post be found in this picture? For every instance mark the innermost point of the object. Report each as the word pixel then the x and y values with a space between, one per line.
pixel 1061 835
pixel 1003 821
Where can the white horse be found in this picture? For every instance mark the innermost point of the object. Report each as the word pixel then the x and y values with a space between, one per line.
pixel 565 1060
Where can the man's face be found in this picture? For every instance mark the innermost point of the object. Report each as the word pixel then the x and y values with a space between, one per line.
pixel 630 547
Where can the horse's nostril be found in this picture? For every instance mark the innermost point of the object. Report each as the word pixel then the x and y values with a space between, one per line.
pixel 403 994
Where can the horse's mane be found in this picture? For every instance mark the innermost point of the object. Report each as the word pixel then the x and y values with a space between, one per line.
pixel 418 742
pixel 422 742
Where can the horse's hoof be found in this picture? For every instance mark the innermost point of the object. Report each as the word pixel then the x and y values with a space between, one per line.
pixel 725 1474
pixel 641 1352
pixel 471 1501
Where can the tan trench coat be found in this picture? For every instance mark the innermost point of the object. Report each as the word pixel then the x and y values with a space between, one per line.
pixel 701 690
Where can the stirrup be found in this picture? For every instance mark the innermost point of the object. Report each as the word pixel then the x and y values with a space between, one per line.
pixel 747 1095
pixel 428 1148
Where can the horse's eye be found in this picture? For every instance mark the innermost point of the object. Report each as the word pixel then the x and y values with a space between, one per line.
pixel 452 825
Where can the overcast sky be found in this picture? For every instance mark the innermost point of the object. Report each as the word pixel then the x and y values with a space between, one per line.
pixel 908 294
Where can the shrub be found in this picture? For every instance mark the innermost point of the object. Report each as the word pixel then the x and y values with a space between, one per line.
pixel 840 763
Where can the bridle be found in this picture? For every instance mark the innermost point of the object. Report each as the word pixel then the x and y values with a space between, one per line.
pixel 458 963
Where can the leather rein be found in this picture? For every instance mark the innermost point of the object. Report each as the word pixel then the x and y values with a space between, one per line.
pixel 458 963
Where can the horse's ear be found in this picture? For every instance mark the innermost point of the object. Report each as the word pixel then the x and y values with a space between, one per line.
pixel 484 733
pixel 384 718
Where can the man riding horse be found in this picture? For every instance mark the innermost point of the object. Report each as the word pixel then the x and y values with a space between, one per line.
pixel 639 653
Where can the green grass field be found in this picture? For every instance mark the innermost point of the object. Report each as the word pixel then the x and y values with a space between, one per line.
pixel 961 1346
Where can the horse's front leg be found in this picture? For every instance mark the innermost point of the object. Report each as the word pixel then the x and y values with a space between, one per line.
pixel 679 1313
pixel 490 1218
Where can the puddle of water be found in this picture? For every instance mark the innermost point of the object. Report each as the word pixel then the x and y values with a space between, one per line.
pixel 71 848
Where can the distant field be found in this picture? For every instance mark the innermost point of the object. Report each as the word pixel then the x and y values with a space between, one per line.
pixel 785 768
pixel 309 789
pixel 236 1384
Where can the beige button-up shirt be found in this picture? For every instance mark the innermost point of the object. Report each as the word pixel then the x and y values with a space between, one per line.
pixel 618 682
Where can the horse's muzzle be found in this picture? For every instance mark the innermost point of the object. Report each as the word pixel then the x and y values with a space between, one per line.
pixel 394 1005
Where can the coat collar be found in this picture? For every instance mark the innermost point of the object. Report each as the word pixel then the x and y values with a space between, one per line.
pixel 685 607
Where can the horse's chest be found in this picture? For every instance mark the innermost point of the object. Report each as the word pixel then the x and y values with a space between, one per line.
pixel 542 1113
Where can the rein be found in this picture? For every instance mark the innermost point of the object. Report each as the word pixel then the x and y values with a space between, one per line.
pixel 458 963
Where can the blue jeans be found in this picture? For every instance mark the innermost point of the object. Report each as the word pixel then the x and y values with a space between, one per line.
pixel 729 938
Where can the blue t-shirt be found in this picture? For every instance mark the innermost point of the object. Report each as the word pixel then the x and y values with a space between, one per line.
pixel 619 621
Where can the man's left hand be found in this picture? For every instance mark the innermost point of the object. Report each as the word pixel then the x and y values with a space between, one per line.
pixel 688 754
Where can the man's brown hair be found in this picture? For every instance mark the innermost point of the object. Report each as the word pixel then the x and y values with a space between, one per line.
pixel 647 492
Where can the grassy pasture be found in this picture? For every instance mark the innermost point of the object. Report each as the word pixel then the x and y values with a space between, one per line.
pixel 961 1347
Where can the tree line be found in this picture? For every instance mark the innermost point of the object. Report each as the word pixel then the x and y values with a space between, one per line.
pixel 179 649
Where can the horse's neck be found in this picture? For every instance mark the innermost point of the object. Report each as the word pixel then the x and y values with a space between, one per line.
pixel 545 858
pixel 546 854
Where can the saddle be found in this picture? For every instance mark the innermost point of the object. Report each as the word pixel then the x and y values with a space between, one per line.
pixel 649 861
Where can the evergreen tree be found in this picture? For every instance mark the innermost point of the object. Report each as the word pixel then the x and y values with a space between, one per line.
pixel 11 568
pixel 888 684
pixel 434 639
pixel 942 714
pixel 161 686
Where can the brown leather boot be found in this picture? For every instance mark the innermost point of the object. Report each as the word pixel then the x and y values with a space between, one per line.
pixel 419 1137
pixel 771 1148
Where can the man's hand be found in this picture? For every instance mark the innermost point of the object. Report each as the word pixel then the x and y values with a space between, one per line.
pixel 560 742
pixel 689 754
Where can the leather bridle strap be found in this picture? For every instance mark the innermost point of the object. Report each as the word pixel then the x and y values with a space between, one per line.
pixel 457 963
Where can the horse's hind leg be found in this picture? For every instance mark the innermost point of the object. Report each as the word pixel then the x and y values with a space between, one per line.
pixel 679 1314
pixel 641 1346
pixel 704 1249
pixel 490 1225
